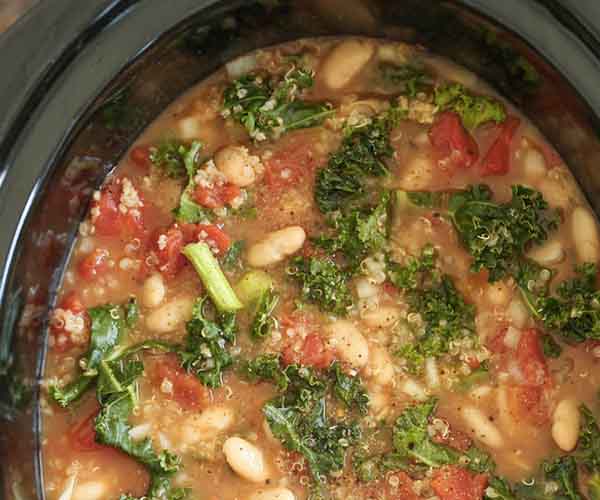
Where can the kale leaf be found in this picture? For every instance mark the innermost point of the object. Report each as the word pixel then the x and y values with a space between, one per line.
pixel 411 438
pixel 572 312
pixel 323 283
pixel 265 367
pixel 232 259
pixel 268 108
pixel 263 317
pixel 498 235
pixel 473 109
pixel 444 315
pixel 408 79
pixel 358 233
pixel 587 452
pixel 170 157
pixel 349 388
pixel 188 210
pixel 206 352
pixel 558 481
pixel 360 156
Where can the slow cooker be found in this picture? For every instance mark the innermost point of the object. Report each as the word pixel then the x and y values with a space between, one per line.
pixel 80 80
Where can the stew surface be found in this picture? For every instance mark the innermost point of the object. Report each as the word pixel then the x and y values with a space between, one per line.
pixel 337 268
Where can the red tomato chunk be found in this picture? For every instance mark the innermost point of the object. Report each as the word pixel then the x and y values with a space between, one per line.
pixel 312 352
pixel 118 210
pixel 497 159
pixel 455 147
pixel 455 483
pixel 173 381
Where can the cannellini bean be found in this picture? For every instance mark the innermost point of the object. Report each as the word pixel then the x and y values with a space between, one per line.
pixel 237 165
pixel 534 164
pixel 498 294
pixel 154 290
pixel 276 246
pixel 91 490
pixel 554 193
pixel 345 62
pixel 381 368
pixel 382 317
pixel 346 339
pixel 207 424
pixel 517 313
pixel 432 374
pixel 365 289
pixel 171 315
pixel 245 459
pixel 566 421
pixel 273 494
pixel 585 235
pixel 482 428
pixel 413 389
pixel 549 253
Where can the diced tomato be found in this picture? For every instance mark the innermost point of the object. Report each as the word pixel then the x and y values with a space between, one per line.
pixel 528 402
pixel 183 387
pixel 404 490
pixel 110 221
pixel 530 358
pixel 497 158
pixel 83 435
pixel 390 289
pixel 95 264
pixel 312 353
pixel 455 439
pixel 496 343
pixel 455 483
pixel 140 155
pixel 288 166
pixel 62 339
pixel 218 196
pixel 452 142
pixel 214 235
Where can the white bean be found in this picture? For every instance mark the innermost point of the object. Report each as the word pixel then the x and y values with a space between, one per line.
pixel 171 315
pixel 482 428
pixel 413 389
pixel 382 317
pixel 273 494
pixel 237 165
pixel 154 290
pixel 566 421
pixel 245 459
pixel 498 294
pixel 209 423
pixel 92 490
pixel 276 246
pixel 381 368
pixel 432 374
pixel 549 253
pixel 346 339
pixel 585 235
pixel 534 164
pixel 518 313
pixel 345 62
pixel 554 193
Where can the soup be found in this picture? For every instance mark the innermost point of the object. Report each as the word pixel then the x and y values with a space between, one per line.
pixel 337 268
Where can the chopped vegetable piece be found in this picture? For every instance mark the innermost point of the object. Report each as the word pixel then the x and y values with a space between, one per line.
pixel 454 146
pixel 263 317
pixel 212 277
pixel 497 159
pixel 252 285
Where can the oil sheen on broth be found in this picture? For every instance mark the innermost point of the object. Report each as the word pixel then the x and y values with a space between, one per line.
pixel 337 268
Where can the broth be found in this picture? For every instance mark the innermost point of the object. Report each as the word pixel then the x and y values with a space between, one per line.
pixel 395 320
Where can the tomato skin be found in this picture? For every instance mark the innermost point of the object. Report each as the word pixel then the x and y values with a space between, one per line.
pixel 140 155
pixel 496 343
pixel 72 302
pixel 452 142
pixel 216 197
pixel 83 434
pixel 95 264
pixel 171 260
pixel 312 353
pixel 291 164
pixel 187 390
pixel 530 358
pixel 497 158
pixel 110 221
pixel 452 482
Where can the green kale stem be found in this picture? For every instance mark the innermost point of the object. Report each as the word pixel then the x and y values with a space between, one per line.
pixel 215 282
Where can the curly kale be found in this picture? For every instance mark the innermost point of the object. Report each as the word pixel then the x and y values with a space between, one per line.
pixel 358 233
pixel 443 312
pixel 323 283
pixel 573 312
pixel 268 108
pixel 558 481
pixel 408 79
pixel 360 156
pixel 169 156
pixel 498 235
pixel 473 109
pixel 349 388
pixel 206 352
